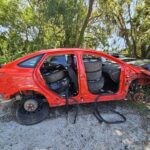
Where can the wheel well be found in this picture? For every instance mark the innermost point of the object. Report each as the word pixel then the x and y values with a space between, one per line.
pixel 137 85
pixel 19 95
pixel 137 81
pixel 134 81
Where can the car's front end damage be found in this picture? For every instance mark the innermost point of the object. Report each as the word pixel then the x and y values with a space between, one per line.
pixel 139 89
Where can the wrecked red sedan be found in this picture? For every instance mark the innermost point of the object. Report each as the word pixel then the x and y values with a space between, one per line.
pixel 58 77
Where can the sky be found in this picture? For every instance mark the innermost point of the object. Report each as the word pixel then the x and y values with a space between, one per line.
pixel 116 42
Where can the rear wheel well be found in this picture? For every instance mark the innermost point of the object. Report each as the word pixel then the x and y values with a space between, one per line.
pixel 19 95
pixel 29 107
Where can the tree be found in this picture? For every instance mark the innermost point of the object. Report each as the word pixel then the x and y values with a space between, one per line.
pixel 81 36
pixel 32 25
pixel 130 20
pixel 27 26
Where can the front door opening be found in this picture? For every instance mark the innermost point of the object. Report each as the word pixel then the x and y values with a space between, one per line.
pixel 103 75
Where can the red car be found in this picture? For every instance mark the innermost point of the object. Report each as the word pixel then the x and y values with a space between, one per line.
pixel 58 77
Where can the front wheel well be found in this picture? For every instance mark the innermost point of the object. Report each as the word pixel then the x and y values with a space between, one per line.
pixel 138 85
pixel 138 82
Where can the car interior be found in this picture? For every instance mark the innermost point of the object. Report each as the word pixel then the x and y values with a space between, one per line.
pixel 61 74
pixel 111 72
pixel 109 77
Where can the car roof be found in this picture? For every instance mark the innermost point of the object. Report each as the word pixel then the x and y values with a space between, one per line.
pixel 46 51
pixel 63 49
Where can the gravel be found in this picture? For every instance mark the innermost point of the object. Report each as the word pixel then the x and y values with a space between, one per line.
pixel 58 133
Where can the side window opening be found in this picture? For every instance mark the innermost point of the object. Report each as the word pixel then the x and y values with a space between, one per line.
pixel 103 75
pixel 60 74
pixel 31 62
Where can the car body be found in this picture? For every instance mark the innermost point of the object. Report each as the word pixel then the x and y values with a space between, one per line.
pixel 16 79
pixel 65 76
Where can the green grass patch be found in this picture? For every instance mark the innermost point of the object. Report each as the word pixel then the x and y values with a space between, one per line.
pixel 143 108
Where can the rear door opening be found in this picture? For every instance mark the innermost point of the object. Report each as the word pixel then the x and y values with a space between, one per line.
pixel 60 72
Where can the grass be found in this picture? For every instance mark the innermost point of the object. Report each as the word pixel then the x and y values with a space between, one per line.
pixel 143 108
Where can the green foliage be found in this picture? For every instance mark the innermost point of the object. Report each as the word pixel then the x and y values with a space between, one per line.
pixel 27 26
pixel 130 20
pixel 142 108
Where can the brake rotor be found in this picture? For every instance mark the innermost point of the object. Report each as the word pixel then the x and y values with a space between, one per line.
pixel 30 105
pixel 139 97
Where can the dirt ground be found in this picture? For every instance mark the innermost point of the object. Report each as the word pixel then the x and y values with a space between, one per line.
pixel 56 133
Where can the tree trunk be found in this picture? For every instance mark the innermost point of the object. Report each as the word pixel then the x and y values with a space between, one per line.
pixel 81 36
pixel 143 50
pixel 148 53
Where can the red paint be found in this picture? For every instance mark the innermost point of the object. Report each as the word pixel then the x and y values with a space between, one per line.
pixel 15 79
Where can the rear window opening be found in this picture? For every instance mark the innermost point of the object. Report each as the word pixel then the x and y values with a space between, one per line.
pixel 31 62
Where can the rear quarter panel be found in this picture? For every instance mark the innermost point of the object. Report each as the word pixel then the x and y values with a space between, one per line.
pixel 15 79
